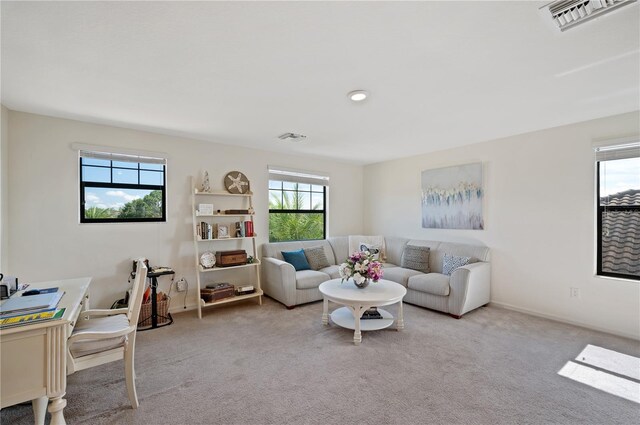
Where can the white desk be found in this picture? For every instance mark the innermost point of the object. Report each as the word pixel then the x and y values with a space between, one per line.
pixel 33 358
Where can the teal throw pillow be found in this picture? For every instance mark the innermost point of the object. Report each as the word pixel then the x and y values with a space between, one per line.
pixel 296 259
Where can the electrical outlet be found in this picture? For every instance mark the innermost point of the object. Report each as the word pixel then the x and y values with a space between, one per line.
pixel 574 292
pixel 181 285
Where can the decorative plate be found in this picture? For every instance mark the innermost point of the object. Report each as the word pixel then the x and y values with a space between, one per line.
pixel 208 259
pixel 236 182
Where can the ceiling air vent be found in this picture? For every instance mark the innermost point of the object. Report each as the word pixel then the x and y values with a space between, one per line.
pixel 293 137
pixel 569 13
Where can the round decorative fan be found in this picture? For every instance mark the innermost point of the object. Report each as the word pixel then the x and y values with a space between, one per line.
pixel 236 182
pixel 208 259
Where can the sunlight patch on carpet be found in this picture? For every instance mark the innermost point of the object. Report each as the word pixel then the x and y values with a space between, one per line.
pixel 606 370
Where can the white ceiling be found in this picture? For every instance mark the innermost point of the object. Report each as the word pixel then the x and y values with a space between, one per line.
pixel 440 74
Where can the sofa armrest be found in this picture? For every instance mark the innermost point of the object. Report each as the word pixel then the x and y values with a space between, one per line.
pixel 279 280
pixel 470 287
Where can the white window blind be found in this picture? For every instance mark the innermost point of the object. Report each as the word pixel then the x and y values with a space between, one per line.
pixel 119 154
pixel 298 176
pixel 618 151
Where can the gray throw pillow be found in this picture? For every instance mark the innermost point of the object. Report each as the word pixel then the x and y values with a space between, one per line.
pixel 316 257
pixel 416 258
pixel 452 262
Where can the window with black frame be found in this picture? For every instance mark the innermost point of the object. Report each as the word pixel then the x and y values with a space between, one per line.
pixel 118 188
pixel 297 206
pixel 618 197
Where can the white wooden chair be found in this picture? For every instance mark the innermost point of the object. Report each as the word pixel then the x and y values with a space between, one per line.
pixel 109 335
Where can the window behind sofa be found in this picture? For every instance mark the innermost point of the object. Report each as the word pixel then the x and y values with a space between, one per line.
pixel 297 205
pixel 121 188
pixel 618 210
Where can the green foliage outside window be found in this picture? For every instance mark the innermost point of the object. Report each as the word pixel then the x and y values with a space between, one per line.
pixel 149 206
pixel 294 226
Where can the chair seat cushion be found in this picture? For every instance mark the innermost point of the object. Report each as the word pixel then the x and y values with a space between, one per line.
pixel 431 283
pixel 332 271
pixel 308 279
pixel 100 324
pixel 399 275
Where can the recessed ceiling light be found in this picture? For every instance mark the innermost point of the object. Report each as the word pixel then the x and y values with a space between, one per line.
pixel 358 95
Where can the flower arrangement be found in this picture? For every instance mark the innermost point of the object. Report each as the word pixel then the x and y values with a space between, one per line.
pixel 361 266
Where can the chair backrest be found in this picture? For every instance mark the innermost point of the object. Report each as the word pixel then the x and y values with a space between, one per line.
pixel 135 301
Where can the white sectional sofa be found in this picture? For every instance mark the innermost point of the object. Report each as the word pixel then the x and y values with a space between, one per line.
pixel 467 288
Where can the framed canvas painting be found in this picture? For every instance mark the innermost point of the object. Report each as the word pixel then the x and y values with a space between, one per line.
pixel 452 197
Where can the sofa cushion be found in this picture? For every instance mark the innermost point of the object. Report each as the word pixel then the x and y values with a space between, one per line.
pixel 416 258
pixel 399 275
pixel 316 257
pixel 340 247
pixel 308 279
pixel 332 271
pixel 274 249
pixel 462 250
pixel 431 283
pixel 296 259
pixel 452 262
pixel 394 247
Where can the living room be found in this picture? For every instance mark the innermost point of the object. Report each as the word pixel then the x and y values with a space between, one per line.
pixel 210 86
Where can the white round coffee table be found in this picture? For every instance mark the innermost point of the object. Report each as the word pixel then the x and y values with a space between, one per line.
pixel 356 301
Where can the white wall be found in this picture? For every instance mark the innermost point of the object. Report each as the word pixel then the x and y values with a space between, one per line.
pixel 539 217
pixel 4 192
pixel 46 240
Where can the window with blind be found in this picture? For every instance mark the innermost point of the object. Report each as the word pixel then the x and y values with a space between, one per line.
pixel 121 188
pixel 618 205
pixel 297 205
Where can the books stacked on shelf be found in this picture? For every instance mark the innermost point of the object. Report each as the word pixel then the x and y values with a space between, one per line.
pixel 248 225
pixel 245 290
pixel 236 212
pixel 371 313
pixel 204 230
pixel 244 229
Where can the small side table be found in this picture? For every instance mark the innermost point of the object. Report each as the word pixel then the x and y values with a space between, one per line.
pixel 153 276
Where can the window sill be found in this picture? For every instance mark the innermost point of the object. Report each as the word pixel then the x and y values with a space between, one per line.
pixel 622 279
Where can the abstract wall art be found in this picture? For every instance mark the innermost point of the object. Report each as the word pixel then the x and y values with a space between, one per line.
pixel 452 197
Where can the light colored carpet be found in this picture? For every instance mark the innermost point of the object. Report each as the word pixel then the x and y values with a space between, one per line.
pixel 245 364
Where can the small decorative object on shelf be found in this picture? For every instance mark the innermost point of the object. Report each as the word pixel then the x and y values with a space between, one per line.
pixel 208 259
pixel 206 187
pixel 235 257
pixel 205 209
pixel 222 231
pixel 361 266
pixel 236 182
pixel 215 292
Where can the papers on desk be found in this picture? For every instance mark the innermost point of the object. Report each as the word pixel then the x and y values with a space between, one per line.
pixel 30 304
pixel 29 318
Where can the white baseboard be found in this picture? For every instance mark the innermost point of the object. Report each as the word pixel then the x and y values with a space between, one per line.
pixel 563 320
